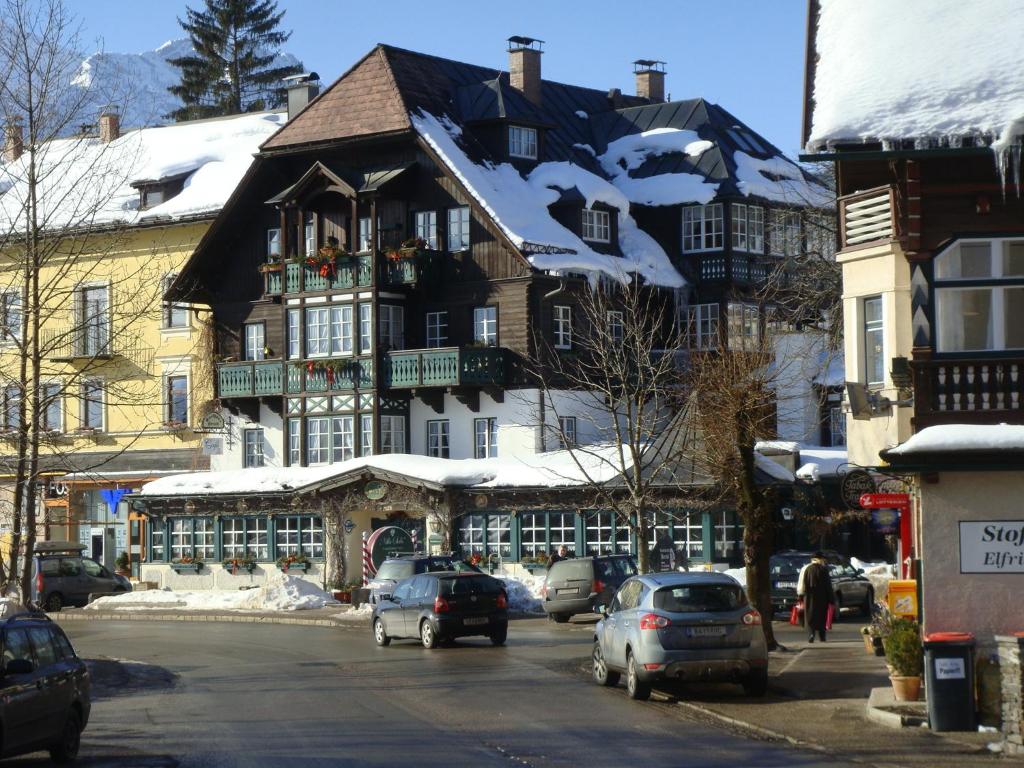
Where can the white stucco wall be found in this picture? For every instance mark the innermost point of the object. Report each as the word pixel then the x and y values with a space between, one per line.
pixel 233 440
pixel 215 576
pixel 798 362
pixel 983 603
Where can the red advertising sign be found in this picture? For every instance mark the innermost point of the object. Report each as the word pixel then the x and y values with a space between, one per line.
pixel 884 500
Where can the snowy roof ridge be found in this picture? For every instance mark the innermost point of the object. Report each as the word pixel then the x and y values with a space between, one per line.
pixel 962 438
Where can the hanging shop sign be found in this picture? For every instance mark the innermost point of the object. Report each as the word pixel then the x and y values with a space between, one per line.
pixel 855 484
pixel 211 422
pixel 375 490
pixel 992 546
pixel 388 542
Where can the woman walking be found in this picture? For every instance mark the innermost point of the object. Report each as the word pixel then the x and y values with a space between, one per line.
pixel 815 587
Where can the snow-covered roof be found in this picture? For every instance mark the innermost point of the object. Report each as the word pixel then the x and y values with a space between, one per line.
pixel 820 461
pixel 552 469
pixel 772 469
pixel 85 183
pixel 917 69
pixel 964 438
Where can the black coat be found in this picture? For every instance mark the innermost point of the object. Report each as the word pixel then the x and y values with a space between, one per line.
pixel 818 595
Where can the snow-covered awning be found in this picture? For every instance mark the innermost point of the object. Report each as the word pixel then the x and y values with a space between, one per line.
pixel 979 446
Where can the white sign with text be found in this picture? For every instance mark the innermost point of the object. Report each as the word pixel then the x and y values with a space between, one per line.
pixel 992 546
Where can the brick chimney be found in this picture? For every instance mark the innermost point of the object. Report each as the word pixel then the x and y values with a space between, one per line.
pixel 524 66
pixel 302 89
pixel 650 79
pixel 110 125
pixel 14 142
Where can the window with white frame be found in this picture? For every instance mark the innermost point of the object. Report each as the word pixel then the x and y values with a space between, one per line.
pixel 596 226
pixel 471 534
pixel 979 296
pixel 392 434
pixel 365 234
pixel 702 326
pixel 562 531
pixel 301 535
pixel 499 535
pixel 785 233
pixel 309 234
pixel 392 326
pixel 728 534
pixel 874 341
pixel 94 320
pixel 616 325
pixel 318 440
pixel 177 399
pixel 366 435
pixel 533 533
pixel 425 227
pixel 91 400
pixel 437 329
pixel 747 228
pixel 52 407
pixel 743 326
pixel 458 228
pixel 175 315
pixel 485 443
pixel 438 438
pixel 10 316
pixel 485 326
pixel 703 228
pixel 232 537
pixel 255 341
pixel 294 333
pixel 273 243
pixel 365 328
pixel 522 142
pixel 245 537
pixel 294 442
pixel 12 408
pixel 192 537
pixel 253 439
pixel 344 438
pixel 157 540
pixel 837 426
pixel 341 330
pixel 562 326
pixel 598 533
pixel 566 432
pixel 318 332
pixel 181 538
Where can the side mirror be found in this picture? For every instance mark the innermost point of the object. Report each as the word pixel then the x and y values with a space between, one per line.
pixel 19 667
pixel 601 609
pixel 388 597
pixel 859 571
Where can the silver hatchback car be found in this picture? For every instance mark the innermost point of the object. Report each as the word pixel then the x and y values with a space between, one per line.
pixel 680 626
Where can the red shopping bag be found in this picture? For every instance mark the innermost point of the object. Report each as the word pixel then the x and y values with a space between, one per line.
pixel 794 614
pixel 829 615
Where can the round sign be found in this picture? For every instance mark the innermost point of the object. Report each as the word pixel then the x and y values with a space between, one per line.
pixel 349 525
pixel 856 483
pixel 388 542
pixel 480 500
pixel 892 485
pixel 375 490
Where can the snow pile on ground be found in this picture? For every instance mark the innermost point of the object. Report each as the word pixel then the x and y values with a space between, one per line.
pixel 524 592
pixel 879 574
pixel 964 437
pixel 362 613
pixel 281 593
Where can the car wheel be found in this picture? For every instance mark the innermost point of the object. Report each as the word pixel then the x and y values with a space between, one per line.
pixel 603 675
pixel 427 635
pixel 379 635
pixel 867 607
pixel 637 689
pixel 65 750
pixel 562 618
pixel 499 635
pixel 54 602
pixel 756 683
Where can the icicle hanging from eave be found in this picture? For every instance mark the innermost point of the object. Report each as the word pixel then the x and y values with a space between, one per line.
pixel 1006 153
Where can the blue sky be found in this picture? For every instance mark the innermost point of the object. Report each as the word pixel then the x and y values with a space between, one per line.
pixel 745 55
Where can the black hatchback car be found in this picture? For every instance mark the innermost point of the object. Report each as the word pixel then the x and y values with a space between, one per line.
pixel 579 584
pixel 44 689
pixel 442 606
pixel 394 569
pixel 852 588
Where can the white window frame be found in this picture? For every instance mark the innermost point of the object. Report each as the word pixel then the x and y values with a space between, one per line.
pixel 785 232
pixel 739 226
pixel 10 307
pixel 597 227
pixel 425 227
pixel 366 434
pixel 703 325
pixel 458 229
pixel 522 142
pixel 169 416
pixel 365 329
pixel 437 329
pixel 50 400
pixel 11 416
pixel 93 326
pixel 255 341
pixel 294 319
pixel 561 325
pixel 485 325
pixel 439 438
pixel 341 330
pixel 96 386
pixel 295 442
pixel 391 330
pixel 342 438
pixel 309 234
pixel 318 331
pixel 755 229
pixel 485 438
pixel 616 325
pixel 175 314
pixel 703 228
pixel 392 434
pixel 743 325
pixel 273 243
pixel 252 438
pixel 868 330
pixel 365 235
pixel 318 440
pixel 566 432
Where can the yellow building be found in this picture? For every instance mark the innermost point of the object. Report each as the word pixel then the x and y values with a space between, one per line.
pixel 125 378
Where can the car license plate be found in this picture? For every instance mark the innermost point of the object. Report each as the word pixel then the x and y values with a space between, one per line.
pixel 705 631
pixel 569 591
pixel 475 620
pixel 785 585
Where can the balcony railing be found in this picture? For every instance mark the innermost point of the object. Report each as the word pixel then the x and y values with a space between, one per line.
pixel 255 379
pixel 978 391
pixel 330 375
pixel 93 343
pixel 866 217
pixel 448 367
pixel 355 272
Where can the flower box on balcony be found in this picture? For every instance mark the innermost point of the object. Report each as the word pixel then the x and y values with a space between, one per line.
pixel 275 266
pixel 295 565
pixel 193 567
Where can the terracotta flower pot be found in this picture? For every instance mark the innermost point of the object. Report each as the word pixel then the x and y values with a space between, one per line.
pixel 906 688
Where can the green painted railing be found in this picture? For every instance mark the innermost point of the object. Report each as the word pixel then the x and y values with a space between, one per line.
pixel 273 283
pixel 342 375
pixel 255 379
pixel 449 367
pixel 348 273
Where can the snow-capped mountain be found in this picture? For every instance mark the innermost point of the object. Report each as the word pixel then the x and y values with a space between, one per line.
pixel 138 82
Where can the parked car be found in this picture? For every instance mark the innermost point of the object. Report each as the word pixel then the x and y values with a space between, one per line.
pixel 853 589
pixel 44 689
pixel 577 584
pixel 62 576
pixel 394 569
pixel 442 606
pixel 680 627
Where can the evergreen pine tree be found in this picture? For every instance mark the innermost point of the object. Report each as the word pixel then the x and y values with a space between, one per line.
pixel 230 72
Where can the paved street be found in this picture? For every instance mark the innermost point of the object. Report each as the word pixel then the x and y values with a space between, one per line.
pixel 254 695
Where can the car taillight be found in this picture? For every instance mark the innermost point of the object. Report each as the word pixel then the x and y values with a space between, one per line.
pixel 751 617
pixel 598 586
pixel 654 621
pixel 39 585
pixel 501 602
pixel 544 590
pixel 441 605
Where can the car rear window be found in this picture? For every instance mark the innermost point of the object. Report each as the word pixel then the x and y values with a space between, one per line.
pixel 699 598
pixel 439 564
pixel 46 655
pixel 470 585
pixel 63 645
pixel 787 566
pixel 50 567
pixel 396 569
pixel 572 569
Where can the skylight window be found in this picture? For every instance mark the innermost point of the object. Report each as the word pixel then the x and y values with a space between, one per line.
pixel 522 142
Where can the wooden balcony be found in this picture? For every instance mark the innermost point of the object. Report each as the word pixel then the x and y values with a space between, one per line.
pixel 295 277
pixel 867 217
pixel 743 267
pixel 330 375
pixel 250 379
pixel 968 391
pixel 446 367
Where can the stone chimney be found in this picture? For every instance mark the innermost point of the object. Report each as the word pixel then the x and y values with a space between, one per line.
pixel 14 142
pixel 524 66
pixel 110 126
pixel 650 79
pixel 302 89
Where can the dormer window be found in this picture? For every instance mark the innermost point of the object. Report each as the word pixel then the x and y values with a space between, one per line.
pixel 522 142
pixel 596 226
pixel 154 193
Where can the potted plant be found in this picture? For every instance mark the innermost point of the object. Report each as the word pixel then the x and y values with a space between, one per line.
pixel 904 655
pixel 271 266
pixel 186 563
pixel 122 565
pixel 235 565
pixel 293 563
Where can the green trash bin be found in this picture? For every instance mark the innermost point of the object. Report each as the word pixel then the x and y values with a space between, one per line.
pixel 949 681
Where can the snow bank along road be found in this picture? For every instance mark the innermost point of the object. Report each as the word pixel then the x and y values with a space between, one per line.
pixel 255 695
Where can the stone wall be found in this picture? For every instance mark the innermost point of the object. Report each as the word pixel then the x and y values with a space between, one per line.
pixel 1013 690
